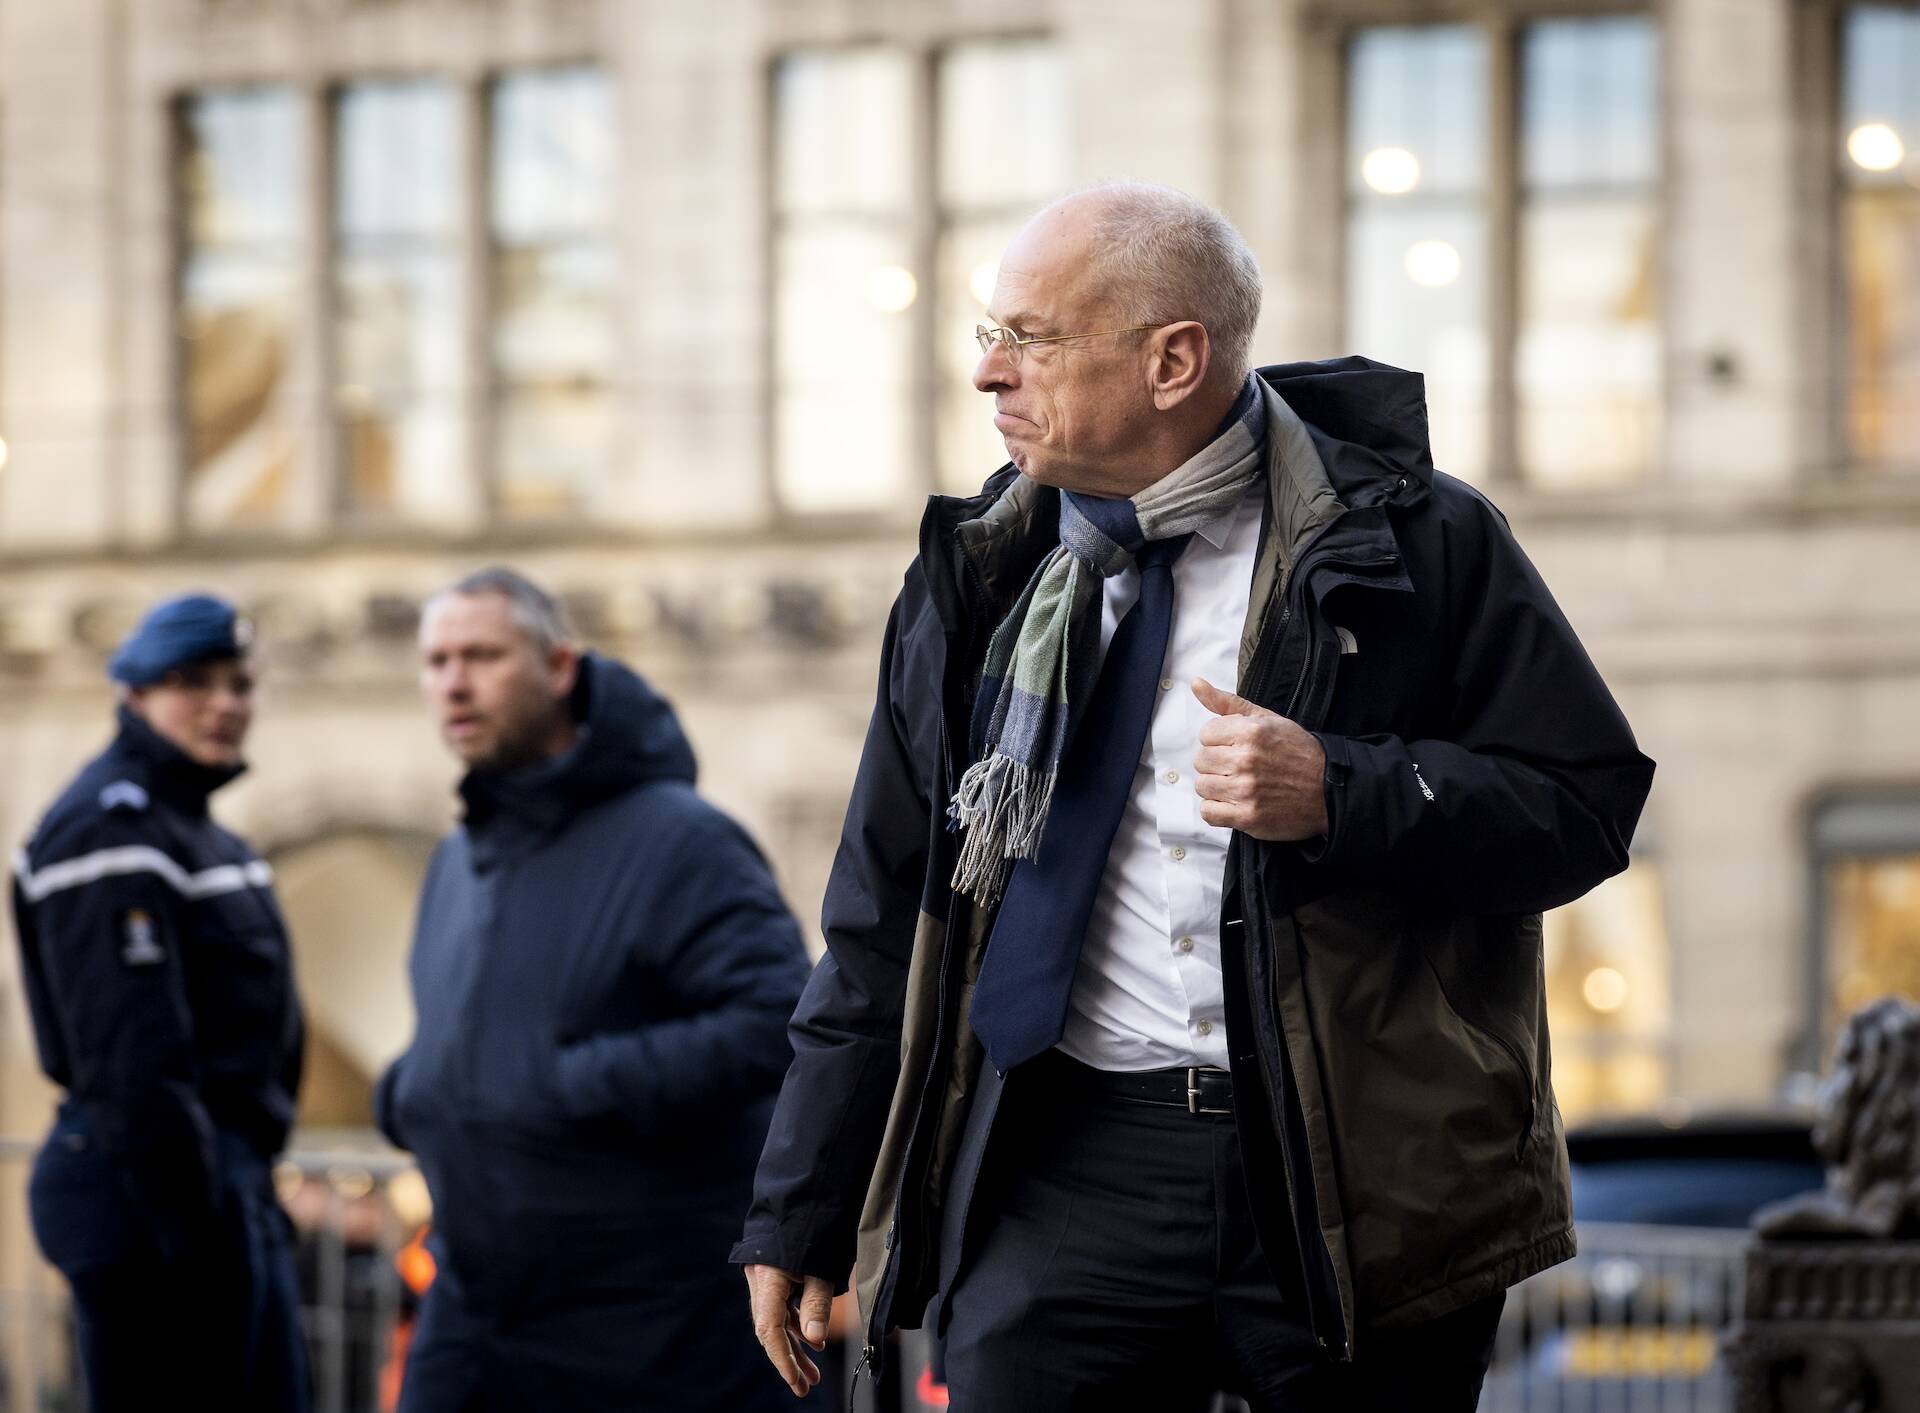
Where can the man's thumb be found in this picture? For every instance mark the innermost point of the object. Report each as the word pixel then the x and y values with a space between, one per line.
pixel 816 1302
pixel 1224 703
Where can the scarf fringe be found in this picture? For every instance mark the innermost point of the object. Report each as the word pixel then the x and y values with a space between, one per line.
pixel 1002 805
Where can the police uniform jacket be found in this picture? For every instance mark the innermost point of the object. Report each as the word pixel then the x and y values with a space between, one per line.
pixel 157 972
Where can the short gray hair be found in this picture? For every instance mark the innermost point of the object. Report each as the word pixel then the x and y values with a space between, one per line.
pixel 538 614
pixel 1165 257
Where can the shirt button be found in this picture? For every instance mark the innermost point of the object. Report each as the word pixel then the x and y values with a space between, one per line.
pixel 1205 1027
pixel 1172 777
pixel 1178 853
pixel 1185 944
pixel 1166 684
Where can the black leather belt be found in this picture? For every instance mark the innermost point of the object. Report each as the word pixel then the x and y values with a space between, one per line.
pixel 1198 1089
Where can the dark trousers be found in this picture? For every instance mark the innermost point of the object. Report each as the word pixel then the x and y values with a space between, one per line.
pixel 215 1328
pixel 1110 1263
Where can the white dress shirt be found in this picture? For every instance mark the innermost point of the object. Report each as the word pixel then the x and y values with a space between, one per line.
pixel 1148 993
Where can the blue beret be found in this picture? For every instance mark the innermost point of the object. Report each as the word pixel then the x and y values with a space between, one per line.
pixel 192 628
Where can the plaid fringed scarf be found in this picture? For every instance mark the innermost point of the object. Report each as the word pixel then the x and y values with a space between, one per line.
pixel 1039 668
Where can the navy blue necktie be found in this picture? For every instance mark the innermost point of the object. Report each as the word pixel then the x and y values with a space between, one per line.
pixel 1020 1001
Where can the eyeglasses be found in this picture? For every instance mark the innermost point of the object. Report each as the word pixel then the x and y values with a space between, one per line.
pixel 988 335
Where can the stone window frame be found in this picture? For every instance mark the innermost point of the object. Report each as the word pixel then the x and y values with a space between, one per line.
pixel 1819 89
pixel 1861 821
pixel 1327 26
pixel 922 40
pixel 319 505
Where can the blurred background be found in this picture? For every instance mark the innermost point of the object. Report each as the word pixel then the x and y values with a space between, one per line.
pixel 319 303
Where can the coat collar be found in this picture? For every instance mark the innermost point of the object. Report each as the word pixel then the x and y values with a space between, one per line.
pixel 167 771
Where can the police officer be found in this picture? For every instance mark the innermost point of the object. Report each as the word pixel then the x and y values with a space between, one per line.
pixel 158 976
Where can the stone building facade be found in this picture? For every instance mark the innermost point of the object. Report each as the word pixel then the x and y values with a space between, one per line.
pixel 322 302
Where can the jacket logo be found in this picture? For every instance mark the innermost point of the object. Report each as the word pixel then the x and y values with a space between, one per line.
pixel 141 947
pixel 1421 781
pixel 1348 643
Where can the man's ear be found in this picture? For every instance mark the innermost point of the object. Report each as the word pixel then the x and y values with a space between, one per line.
pixel 1177 363
pixel 563 663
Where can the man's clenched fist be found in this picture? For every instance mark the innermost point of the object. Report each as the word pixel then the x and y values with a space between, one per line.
pixel 1258 772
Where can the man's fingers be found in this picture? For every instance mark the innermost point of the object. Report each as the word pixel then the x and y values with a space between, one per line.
pixel 1224 789
pixel 803 1364
pixel 1224 703
pixel 816 1304
pixel 1218 812
pixel 1218 760
pixel 769 1291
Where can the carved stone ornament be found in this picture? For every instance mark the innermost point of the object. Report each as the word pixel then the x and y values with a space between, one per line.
pixel 1868 1131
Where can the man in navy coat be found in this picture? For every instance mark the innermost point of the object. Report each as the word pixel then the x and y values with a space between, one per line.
pixel 603 971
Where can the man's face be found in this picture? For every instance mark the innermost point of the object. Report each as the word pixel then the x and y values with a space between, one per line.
pixel 1070 413
pixel 203 708
pixel 499 701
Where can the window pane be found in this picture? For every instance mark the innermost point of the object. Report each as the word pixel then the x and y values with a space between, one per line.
pixel 971 448
pixel 1417 297
pixel 1420 90
pixel 554 286
pixel 845 137
pixel 397 345
pixel 842 442
pixel 1416 229
pixel 551 155
pixel 1873 907
pixel 1609 1005
pixel 1003 124
pixel 846 292
pixel 240 156
pixel 1003 151
pixel 1880 167
pixel 397 160
pixel 1588 357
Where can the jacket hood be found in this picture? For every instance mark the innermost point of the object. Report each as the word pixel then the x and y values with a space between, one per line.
pixel 1369 424
pixel 631 737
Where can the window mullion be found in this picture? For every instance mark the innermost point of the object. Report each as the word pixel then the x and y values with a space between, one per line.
pixel 1503 246
pixel 475 258
pixel 318 491
pixel 923 245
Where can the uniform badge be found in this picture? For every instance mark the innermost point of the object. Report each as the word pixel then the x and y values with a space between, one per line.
pixel 123 794
pixel 140 946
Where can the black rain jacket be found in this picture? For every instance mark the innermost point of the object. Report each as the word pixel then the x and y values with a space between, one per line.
pixel 1384 985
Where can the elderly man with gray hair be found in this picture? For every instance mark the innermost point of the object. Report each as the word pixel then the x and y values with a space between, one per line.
pixel 1182 1025
pixel 603 970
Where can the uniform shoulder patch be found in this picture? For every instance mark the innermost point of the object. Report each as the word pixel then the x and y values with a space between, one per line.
pixel 140 939
pixel 123 795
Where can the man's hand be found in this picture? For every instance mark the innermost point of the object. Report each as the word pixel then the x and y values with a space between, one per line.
pixel 1258 772
pixel 790 1314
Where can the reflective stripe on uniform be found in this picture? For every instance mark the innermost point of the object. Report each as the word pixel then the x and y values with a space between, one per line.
pixel 36 884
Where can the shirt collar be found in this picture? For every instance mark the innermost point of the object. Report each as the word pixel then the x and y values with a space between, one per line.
pixel 1216 530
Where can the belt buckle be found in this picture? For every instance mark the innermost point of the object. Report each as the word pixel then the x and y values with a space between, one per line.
pixel 1193 1089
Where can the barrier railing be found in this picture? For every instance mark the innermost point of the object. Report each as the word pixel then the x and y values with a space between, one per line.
pixel 1631 1324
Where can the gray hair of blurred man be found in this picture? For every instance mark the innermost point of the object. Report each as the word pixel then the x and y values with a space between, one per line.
pixel 538 614
pixel 1164 257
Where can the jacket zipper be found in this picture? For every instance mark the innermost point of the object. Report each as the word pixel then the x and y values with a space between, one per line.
pixel 889 1276
pixel 1264 665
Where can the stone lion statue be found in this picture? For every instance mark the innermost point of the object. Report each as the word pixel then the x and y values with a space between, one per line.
pixel 1868 1131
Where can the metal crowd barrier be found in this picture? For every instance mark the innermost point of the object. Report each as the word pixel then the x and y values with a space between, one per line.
pixel 1630 1326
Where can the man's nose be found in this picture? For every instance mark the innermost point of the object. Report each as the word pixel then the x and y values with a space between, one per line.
pixel 996 372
